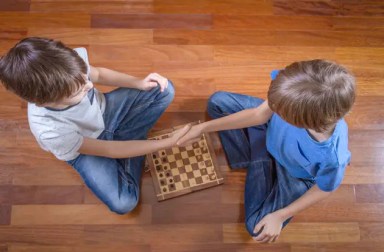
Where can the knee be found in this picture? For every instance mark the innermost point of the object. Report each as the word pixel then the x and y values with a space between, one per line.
pixel 168 94
pixel 123 206
pixel 215 102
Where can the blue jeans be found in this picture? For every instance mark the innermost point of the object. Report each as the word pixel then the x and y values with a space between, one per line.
pixel 268 186
pixel 129 115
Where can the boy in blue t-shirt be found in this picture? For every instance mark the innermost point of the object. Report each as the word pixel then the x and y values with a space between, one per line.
pixel 297 153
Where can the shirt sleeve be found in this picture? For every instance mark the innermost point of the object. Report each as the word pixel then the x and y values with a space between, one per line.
pixel 329 178
pixel 82 52
pixel 62 143
pixel 274 74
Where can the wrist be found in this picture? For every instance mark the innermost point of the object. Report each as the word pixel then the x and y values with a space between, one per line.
pixel 203 127
pixel 136 83
pixel 283 214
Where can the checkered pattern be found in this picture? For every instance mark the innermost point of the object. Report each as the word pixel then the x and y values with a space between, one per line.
pixel 179 168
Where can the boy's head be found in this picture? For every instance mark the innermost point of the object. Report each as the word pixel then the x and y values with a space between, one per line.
pixel 312 94
pixel 42 71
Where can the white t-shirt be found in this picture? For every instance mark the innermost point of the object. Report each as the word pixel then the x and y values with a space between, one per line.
pixel 61 132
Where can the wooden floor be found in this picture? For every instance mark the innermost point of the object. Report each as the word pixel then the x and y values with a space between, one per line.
pixel 203 46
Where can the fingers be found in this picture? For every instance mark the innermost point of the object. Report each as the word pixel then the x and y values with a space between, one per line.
pixel 189 142
pixel 275 238
pixel 162 81
pixel 265 239
pixel 259 228
pixel 260 231
pixel 183 131
pixel 152 84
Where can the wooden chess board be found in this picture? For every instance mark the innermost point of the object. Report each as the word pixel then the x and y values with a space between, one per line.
pixel 180 170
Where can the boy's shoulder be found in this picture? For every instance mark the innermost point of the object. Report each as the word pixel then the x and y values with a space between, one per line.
pixel 82 52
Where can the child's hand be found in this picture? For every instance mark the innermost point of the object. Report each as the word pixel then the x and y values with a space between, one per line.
pixel 152 81
pixel 177 134
pixel 270 227
pixel 191 136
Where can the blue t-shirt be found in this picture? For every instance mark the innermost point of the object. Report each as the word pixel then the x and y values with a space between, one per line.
pixel 307 158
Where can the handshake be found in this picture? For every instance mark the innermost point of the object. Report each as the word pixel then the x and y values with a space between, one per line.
pixel 187 134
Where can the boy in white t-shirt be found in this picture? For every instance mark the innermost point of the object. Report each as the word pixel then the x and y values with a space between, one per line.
pixel 101 135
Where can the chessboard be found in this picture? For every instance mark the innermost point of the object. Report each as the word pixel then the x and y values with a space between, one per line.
pixel 181 170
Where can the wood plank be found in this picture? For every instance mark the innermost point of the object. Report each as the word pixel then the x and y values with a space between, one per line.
pixel 194 87
pixel 220 247
pixel 299 232
pixel 362 8
pixel 8 38
pixel 366 138
pixel 76 214
pixel 369 78
pixel 341 212
pixel 364 115
pixel 364 174
pixel 92 7
pixel 373 193
pixel 149 53
pixel 370 86
pixel 312 8
pixel 272 23
pixel 283 55
pixel 5 192
pixel 372 231
pixel 6 174
pixel 77 248
pixel 25 20
pixel 357 23
pixel 253 77
pixel 176 234
pixel 20 195
pixel 188 104
pixel 197 211
pixel 170 119
pixel 47 172
pixel 325 7
pixel 266 38
pixel 297 23
pixel 4 248
pixel 5 214
pixel 338 247
pixel 152 21
pixel 217 7
pixel 86 36
pixel 11 5
pixel 367 155
pixel 42 235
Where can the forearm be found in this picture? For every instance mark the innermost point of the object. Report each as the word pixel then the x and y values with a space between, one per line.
pixel 113 78
pixel 123 149
pixel 242 119
pixel 311 197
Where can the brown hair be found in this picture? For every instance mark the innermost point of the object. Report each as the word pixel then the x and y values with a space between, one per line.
pixel 42 70
pixel 312 94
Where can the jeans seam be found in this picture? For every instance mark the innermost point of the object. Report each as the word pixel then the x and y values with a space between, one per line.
pixel 147 103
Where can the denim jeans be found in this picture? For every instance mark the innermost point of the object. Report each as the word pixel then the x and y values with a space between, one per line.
pixel 268 186
pixel 129 115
